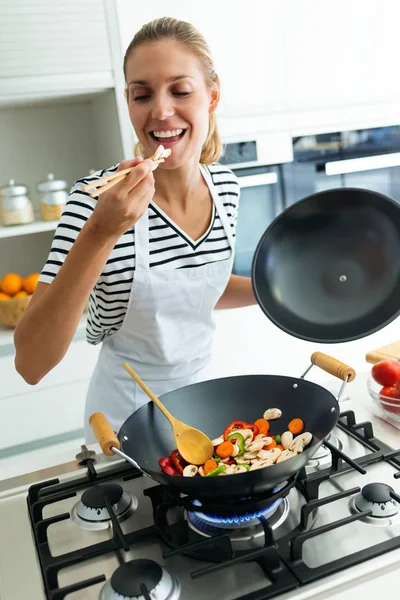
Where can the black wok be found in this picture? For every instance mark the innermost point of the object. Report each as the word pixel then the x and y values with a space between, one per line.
pixel 327 269
pixel 146 435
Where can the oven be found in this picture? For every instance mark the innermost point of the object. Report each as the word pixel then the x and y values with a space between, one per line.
pixel 364 158
pixel 260 199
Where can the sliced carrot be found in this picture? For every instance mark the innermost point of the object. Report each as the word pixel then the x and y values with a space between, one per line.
pixel 263 425
pixel 225 450
pixel 209 465
pixel 280 447
pixel 296 426
pixel 271 445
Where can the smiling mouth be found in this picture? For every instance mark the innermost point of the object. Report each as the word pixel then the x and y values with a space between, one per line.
pixel 165 137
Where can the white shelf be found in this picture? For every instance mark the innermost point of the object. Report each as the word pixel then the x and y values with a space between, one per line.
pixel 7 334
pixel 36 227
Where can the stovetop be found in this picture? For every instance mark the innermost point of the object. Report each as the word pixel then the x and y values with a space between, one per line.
pixel 321 526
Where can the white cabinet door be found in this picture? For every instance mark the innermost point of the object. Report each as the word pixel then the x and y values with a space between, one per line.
pixel 246 41
pixel 342 58
pixel 47 46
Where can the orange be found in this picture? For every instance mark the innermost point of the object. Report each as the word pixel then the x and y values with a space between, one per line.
pixel 29 283
pixel 21 294
pixel 11 284
pixel 4 296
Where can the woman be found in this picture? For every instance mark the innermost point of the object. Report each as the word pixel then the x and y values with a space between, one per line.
pixel 154 253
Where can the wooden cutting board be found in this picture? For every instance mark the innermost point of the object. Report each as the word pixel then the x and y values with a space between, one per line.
pixel 389 351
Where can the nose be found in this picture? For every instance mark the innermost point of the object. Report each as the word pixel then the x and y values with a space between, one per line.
pixel 162 107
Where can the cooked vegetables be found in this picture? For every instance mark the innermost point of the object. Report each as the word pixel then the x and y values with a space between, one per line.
pixel 296 426
pixel 245 447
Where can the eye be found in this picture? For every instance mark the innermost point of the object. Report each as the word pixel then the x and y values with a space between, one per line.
pixel 182 94
pixel 141 98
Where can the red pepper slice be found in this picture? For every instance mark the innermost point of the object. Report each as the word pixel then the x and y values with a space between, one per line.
pixel 177 461
pixel 169 470
pixel 253 428
pixel 232 427
pixel 165 462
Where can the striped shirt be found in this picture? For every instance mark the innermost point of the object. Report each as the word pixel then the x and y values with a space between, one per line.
pixel 170 248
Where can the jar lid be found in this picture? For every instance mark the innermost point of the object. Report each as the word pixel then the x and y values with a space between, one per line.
pixel 51 184
pixel 13 189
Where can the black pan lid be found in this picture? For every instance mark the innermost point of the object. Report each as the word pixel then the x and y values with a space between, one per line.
pixel 327 269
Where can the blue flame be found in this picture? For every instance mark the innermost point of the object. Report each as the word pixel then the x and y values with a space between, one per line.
pixel 235 519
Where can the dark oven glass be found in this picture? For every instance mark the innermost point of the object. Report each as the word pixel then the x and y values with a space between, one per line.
pixel 260 200
pixel 365 158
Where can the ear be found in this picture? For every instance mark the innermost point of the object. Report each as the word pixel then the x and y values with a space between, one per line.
pixel 215 96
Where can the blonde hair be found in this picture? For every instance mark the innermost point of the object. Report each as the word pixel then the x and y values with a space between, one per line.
pixel 187 35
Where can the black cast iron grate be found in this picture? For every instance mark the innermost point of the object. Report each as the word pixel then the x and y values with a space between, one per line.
pixel 282 561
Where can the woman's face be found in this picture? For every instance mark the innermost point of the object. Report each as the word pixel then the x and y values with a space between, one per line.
pixel 169 101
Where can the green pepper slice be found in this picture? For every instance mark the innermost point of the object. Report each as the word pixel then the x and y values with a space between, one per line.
pixel 217 471
pixel 239 439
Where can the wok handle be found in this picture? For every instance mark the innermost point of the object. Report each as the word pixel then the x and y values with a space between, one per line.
pixel 104 433
pixel 333 366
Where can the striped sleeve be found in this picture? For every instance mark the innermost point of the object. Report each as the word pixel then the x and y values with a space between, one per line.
pixel 77 211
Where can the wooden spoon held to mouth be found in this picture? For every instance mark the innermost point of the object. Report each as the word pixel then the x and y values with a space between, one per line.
pixel 193 445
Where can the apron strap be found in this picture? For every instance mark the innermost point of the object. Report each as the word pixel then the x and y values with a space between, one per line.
pixel 142 258
pixel 219 205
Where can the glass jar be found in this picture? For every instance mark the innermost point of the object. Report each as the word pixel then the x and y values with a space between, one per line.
pixel 15 205
pixel 53 198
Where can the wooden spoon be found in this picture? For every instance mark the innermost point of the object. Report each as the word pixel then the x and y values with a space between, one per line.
pixel 193 445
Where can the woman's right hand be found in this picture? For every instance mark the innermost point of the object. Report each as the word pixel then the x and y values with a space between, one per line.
pixel 118 209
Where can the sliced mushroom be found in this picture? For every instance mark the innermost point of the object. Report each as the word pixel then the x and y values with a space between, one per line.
pixel 201 472
pixel 225 460
pixel 239 469
pixel 286 439
pixel 218 440
pixel 285 455
pixel 230 470
pixel 241 460
pixel 272 413
pixel 300 442
pixel 306 437
pixel 256 446
pixel 257 465
pixel 250 455
pixel 236 450
pixel 246 433
pixel 190 471
pixel 270 456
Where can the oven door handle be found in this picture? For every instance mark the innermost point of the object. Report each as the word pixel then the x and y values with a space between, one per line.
pixel 255 180
pixel 364 163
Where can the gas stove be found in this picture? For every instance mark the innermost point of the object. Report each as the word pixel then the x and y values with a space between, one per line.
pixel 104 531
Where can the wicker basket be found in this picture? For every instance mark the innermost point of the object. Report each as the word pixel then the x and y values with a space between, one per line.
pixel 12 310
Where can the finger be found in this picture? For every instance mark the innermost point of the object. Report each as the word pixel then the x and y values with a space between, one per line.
pixel 126 164
pixel 137 174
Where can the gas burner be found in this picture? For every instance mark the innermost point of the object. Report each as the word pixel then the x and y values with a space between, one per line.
pixel 245 531
pixel 141 579
pixel 323 456
pixel 235 521
pixel 377 497
pixel 91 511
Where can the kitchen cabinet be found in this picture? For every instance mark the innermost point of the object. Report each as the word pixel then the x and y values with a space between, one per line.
pixel 248 57
pixel 53 407
pixel 53 49
pixel 341 63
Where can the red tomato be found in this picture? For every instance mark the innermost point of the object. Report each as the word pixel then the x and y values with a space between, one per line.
pixel 386 372
pixel 391 395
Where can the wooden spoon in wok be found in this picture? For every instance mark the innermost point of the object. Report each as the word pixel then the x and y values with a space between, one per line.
pixel 193 445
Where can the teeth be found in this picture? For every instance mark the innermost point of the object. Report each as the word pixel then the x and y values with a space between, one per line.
pixel 166 134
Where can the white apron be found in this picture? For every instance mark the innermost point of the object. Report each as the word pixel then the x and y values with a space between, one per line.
pixel 167 332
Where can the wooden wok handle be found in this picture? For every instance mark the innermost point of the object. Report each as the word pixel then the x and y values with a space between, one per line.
pixel 104 433
pixel 333 366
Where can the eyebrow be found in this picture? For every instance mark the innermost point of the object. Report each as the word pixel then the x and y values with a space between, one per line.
pixel 169 80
